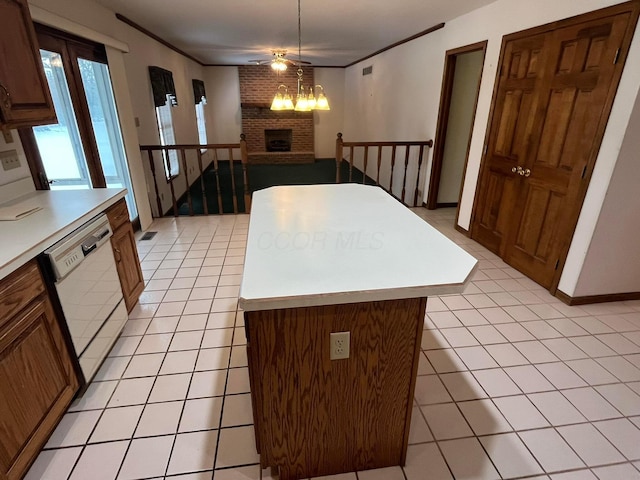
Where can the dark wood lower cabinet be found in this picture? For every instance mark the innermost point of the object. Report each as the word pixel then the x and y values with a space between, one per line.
pixel 37 379
pixel 314 416
pixel 125 252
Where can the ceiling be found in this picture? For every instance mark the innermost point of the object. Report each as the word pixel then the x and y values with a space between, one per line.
pixel 334 32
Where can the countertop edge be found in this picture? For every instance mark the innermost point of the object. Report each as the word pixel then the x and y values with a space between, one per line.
pixel 339 298
pixel 49 240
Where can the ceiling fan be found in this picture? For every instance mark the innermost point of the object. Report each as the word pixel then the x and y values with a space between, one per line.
pixel 279 61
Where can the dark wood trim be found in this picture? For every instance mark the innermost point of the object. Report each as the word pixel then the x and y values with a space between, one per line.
pixel 443 120
pixel 447 205
pixel 34 160
pixel 396 44
pixel 152 35
pixel 462 230
pixel 588 299
pixel 135 224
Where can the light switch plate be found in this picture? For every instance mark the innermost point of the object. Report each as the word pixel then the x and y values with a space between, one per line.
pixel 10 160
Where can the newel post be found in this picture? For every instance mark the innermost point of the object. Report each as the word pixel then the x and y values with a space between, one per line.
pixel 244 158
pixel 339 143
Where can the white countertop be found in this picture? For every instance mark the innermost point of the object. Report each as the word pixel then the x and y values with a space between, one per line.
pixel 331 244
pixel 62 212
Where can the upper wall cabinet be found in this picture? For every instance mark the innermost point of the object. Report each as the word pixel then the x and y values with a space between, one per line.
pixel 24 95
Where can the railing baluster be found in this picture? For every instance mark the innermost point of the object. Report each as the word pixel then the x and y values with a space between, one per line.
pixel 173 192
pixel 152 165
pixel 244 158
pixel 205 207
pixel 393 165
pixel 215 171
pixel 366 158
pixel 338 156
pixel 406 165
pixel 351 164
pixel 420 155
pixel 183 157
pixel 379 165
pixel 233 181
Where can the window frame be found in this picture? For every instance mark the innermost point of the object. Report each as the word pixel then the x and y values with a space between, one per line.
pixel 167 136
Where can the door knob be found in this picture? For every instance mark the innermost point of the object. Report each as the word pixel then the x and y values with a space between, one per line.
pixel 523 172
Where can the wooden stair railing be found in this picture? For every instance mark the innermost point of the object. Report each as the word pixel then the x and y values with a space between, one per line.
pixel 230 149
pixel 391 148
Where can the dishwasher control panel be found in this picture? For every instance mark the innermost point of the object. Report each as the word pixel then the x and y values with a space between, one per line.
pixel 69 252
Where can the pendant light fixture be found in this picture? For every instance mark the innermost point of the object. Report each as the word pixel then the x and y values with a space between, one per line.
pixel 304 102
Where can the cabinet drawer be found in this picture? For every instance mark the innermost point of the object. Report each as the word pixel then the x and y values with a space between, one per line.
pixel 18 290
pixel 118 214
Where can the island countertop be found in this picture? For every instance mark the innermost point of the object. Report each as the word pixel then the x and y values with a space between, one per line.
pixel 62 212
pixel 335 244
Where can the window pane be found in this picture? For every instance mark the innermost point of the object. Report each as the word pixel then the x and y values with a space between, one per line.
pixel 60 145
pixel 167 137
pixel 202 128
pixel 106 127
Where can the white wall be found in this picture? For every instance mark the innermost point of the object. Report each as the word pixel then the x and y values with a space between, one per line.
pixel 400 100
pixel 462 107
pixel 611 264
pixel 327 124
pixel 16 182
pixel 224 116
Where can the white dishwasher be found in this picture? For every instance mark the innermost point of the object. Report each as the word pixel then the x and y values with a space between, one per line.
pixel 88 287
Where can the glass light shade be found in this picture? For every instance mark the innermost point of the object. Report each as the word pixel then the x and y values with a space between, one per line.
pixel 288 102
pixel 279 65
pixel 322 103
pixel 278 102
pixel 311 100
pixel 301 103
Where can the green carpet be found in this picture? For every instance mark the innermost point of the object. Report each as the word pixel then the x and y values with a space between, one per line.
pixel 260 176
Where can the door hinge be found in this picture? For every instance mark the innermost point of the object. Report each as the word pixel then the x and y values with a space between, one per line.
pixel 615 59
pixel 484 150
pixel 584 171
pixel 557 263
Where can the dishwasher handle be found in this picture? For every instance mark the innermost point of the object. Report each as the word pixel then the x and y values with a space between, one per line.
pixel 92 242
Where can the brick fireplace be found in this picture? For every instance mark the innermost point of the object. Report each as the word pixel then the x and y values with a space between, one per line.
pixel 258 85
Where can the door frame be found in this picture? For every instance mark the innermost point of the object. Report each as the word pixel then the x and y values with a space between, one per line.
pixel 443 121
pixel 633 7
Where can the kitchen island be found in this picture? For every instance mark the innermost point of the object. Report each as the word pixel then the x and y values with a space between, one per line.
pixel 338 258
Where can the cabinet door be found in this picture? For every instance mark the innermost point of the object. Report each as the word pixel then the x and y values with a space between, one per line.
pixel 24 95
pixel 128 264
pixel 37 384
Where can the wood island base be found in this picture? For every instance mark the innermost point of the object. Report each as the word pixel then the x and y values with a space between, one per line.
pixel 314 416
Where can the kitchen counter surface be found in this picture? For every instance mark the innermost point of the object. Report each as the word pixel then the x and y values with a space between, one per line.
pixel 62 212
pixel 335 244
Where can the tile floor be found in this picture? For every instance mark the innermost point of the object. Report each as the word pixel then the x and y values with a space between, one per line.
pixel 512 383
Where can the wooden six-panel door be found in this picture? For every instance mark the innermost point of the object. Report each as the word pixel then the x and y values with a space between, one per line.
pixel 552 103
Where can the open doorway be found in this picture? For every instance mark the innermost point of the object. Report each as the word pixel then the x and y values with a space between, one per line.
pixel 460 88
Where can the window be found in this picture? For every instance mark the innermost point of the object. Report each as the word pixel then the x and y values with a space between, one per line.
pixel 200 98
pixel 167 137
pixel 85 148
pixel 202 127
pixel 164 97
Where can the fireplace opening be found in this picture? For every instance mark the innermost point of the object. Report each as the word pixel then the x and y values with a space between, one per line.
pixel 278 140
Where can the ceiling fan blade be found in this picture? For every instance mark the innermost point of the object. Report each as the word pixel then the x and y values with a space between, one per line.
pixel 295 62
pixel 260 62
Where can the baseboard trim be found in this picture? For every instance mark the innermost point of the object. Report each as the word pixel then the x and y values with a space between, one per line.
pixel 447 205
pixel 588 299
pixel 462 230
